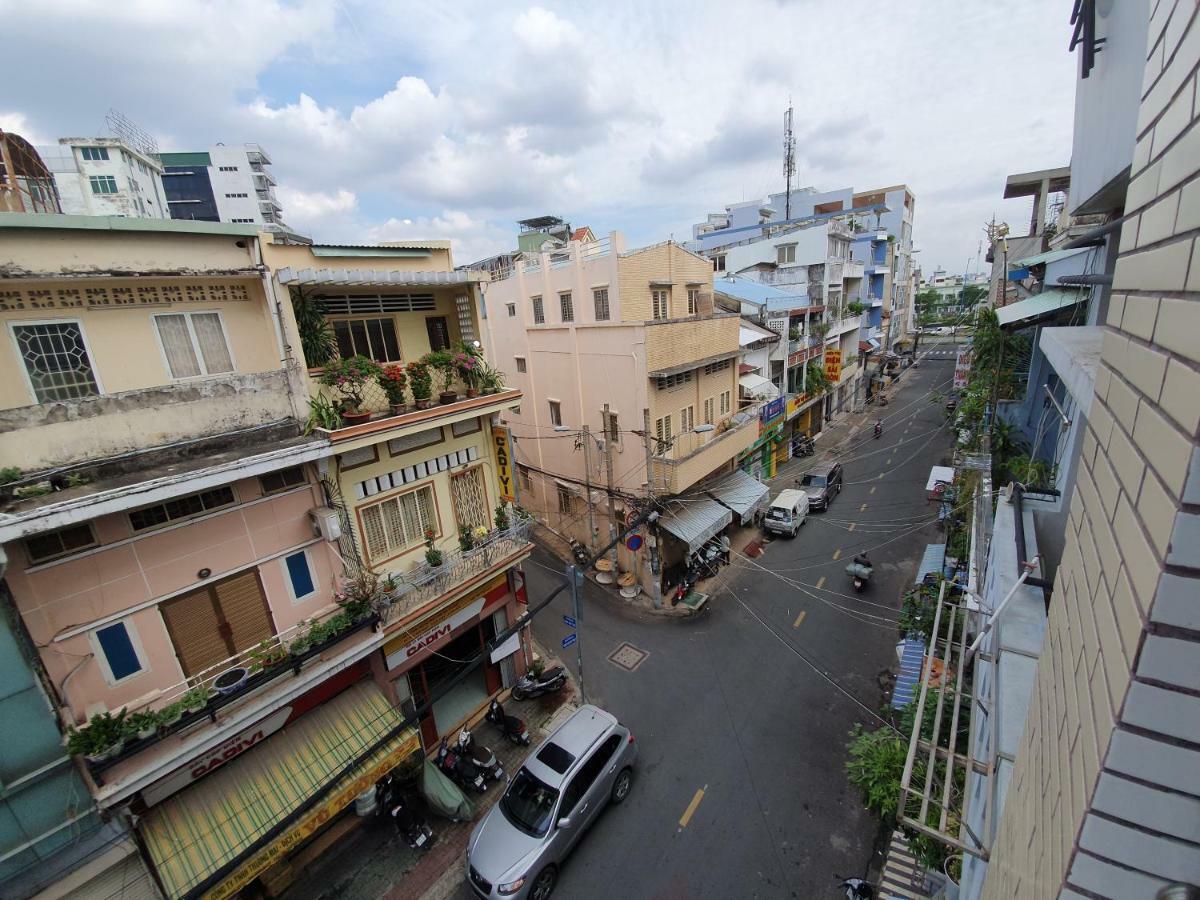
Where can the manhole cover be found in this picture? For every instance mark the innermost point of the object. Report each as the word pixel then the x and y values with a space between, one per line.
pixel 628 657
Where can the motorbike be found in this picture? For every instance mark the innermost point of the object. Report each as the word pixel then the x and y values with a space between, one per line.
pixel 878 429
pixel 483 758
pixel 883 400
pixel 529 685
pixel 391 803
pixel 580 552
pixel 856 888
pixel 860 571
pixel 461 769
pixel 514 729
pixel 802 445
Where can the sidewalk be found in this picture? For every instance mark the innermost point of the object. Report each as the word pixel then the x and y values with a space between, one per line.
pixel 372 861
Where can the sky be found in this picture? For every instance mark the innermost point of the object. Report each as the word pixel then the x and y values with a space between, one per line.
pixel 394 120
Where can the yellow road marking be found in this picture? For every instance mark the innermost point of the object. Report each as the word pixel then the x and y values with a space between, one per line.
pixel 872 489
pixel 851 528
pixel 799 619
pixel 687 813
pixel 862 508
pixel 881 476
pixel 820 582
pixel 889 461
pixel 837 553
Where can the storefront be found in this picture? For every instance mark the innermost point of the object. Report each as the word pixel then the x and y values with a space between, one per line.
pixel 759 460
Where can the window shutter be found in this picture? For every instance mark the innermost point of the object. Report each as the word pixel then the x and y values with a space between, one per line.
pixel 195 630
pixel 245 610
pixel 177 346
pixel 373 533
pixel 394 524
pixel 211 339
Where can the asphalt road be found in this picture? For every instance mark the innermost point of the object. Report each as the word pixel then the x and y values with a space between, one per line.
pixel 742 713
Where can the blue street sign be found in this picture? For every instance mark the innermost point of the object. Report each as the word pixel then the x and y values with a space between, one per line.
pixel 568 621
pixel 570 639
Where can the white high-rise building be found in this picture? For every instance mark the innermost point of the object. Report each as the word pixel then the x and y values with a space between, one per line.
pixel 225 183
pixel 106 177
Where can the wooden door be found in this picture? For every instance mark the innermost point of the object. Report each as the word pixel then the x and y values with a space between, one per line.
pixel 217 621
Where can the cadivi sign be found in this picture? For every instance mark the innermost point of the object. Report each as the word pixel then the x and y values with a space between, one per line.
pixel 228 749
pixel 437 631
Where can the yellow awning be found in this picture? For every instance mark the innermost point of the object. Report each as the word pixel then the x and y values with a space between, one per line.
pixel 211 824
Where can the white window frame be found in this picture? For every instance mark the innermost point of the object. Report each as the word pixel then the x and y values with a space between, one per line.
pixel 135 640
pixel 693 301
pixel 555 407
pixel 287 576
pixel 25 369
pixel 187 315
pixel 785 254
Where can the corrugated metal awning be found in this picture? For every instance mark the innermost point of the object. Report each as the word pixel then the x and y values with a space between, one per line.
pixel 758 387
pixel 376 277
pixel 740 492
pixel 1038 305
pixel 1048 257
pixel 212 824
pixel 934 560
pixel 695 521
pixel 912 654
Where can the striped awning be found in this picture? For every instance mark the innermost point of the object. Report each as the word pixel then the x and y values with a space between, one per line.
pixel 220 821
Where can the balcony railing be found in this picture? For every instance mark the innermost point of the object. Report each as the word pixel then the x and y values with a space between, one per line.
pixel 684 445
pixel 424 583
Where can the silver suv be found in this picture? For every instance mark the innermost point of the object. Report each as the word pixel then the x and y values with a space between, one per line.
pixel 516 849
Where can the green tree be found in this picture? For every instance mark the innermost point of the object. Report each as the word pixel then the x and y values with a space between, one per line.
pixel 973 294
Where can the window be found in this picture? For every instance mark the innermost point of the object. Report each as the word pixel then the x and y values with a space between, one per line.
pixel 227 168
pixel 526 481
pixel 611 429
pixel 555 412
pixel 600 299
pixel 520 365
pixel 587 775
pixel 373 338
pixel 512 310
pixel 673 381
pixel 659 303
pixel 539 313
pixel 708 411
pixel 96 154
pixel 237 196
pixel 566 307
pixel 56 361
pixel 466 322
pixel 401 445
pixel 218 621
pixel 714 368
pixel 243 221
pixel 362 456
pixel 662 430
pixel 687 419
pixel 274 482
pixel 471 507
pixel 59 543
pixel 465 427
pixel 693 300
pixel 726 402
pixel 181 508
pixel 398 523
pixel 719 262
pixel 564 500
pixel 299 576
pixel 785 253
pixel 103 184
pixel 194 344
pixel 117 648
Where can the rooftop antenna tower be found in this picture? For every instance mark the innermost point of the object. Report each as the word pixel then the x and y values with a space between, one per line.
pixel 120 126
pixel 789 159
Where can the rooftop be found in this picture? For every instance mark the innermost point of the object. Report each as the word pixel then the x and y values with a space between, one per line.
pixel 123 223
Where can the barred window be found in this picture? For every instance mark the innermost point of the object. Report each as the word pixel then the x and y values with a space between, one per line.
pixel 470 499
pixel 564 500
pixel 520 365
pixel 660 304
pixel 662 430
pixel 56 361
pixel 398 523
pixel 466 322
pixel 181 508
pixel 539 312
pixel 566 306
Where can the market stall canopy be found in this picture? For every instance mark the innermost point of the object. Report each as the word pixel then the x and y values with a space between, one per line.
pixel 695 521
pixel 741 493
pixel 758 387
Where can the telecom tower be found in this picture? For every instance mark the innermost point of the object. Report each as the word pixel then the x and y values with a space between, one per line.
pixel 789 159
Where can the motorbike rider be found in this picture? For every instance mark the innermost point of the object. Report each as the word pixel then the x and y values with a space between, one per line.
pixel 861 560
pixel 878 427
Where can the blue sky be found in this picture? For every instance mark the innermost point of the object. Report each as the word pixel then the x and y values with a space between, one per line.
pixel 397 120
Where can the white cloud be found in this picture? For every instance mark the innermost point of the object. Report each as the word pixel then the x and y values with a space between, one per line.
pixel 470 238
pixel 309 211
pixel 18 123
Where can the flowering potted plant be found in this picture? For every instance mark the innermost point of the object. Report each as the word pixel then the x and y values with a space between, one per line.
pixel 443 362
pixel 469 364
pixel 421 381
pixel 394 381
pixel 433 555
pixel 350 377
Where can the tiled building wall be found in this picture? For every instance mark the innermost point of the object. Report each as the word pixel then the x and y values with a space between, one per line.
pixel 1105 797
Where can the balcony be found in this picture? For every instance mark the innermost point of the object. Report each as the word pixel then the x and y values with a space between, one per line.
pixel 852 268
pixel 692 456
pixel 257 155
pixel 686 343
pixel 263 179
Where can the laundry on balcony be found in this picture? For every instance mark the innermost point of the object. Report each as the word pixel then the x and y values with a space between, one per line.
pixel 695 521
pixel 758 388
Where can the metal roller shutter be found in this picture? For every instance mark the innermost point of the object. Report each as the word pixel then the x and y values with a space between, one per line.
pixel 245 610
pixel 195 628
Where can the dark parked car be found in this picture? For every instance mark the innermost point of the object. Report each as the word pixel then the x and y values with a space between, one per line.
pixel 822 482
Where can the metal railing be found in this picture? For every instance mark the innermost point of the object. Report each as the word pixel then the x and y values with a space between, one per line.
pixel 684 445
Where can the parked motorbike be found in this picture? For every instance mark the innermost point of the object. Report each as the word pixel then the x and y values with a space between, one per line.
pixel 802 445
pixel 461 769
pixel 883 400
pixel 878 428
pixel 483 758
pixel 391 804
pixel 860 571
pixel 580 552
pixel 514 729
pixel 529 685
pixel 856 888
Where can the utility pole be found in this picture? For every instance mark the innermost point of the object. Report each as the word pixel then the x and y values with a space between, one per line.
pixel 575 578
pixel 656 593
pixel 587 486
pixel 789 159
pixel 614 523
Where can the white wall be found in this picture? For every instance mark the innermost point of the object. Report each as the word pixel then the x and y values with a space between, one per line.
pixel 241 181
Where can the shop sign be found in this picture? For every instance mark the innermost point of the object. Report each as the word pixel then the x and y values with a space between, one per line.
pixel 962 368
pixel 794 403
pixel 833 365
pixel 313 820
pixel 503 463
pixel 228 749
pixel 436 628
pixel 773 409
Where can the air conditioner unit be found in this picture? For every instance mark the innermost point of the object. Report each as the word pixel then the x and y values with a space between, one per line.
pixel 326 522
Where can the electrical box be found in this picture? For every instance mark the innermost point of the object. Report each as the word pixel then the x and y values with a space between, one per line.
pixel 326 522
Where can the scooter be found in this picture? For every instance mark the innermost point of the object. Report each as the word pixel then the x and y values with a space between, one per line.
pixel 803 446
pixel 390 803
pixel 460 769
pixel 514 729
pixel 580 551
pixel 860 572
pixel 856 888
pixel 483 758
pixel 548 682
pixel 878 429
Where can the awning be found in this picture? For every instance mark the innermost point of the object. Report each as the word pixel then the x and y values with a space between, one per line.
pixel 748 335
pixel 376 277
pixel 741 493
pixel 212 824
pixel 933 560
pixel 745 368
pixel 868 346
pixel 1039 305
pixel 912 655
pixel 943 474
pixel 758 387
pixel 1048 257
pixel 695 521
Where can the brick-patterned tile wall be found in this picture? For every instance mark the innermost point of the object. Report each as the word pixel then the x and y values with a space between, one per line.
pixel 1105 796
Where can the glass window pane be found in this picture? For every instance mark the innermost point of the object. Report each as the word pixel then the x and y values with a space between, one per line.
pixel 56 361
pixel 300 575
pixel 391 346
pixel 358 337
pixel 211 339
pixel 118 650
pixel 341 331
pixel 177 346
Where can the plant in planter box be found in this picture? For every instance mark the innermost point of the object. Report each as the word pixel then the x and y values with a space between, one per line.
pixel 103 737
pixel 420 380
pixel 501 519
pixel 358 594
pixel 266 654
pixel 442 362
pixel 466 539
pixel 142 725
pixel 196 699
pixel 855 308
pixel 322 413
pixel 8 475
pixel 491 380
pixel 434 557
pixel 394 381
pixel 350 377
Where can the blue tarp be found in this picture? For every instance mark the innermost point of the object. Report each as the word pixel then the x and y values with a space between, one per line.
pixel 911 658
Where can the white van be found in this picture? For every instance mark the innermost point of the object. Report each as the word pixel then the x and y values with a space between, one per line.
pixel 787 512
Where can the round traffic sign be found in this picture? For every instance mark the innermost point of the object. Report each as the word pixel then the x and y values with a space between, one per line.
pixel 634 542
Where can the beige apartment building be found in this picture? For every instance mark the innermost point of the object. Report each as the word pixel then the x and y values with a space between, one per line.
pixel 592 327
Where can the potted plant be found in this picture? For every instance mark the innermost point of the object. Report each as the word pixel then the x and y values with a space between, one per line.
pixel 491 380
pixel 103 738
pixel 143 725
pixel 501 519
pixel 350 377
pixel 479 533
pixel 394 381
pixel 465 539
pixel 302 640
pixel 420 380
pixel 231 680
pixel 433 555
pixel 442 361
pixel 468 363
pixel 169 715
pixel 196 699
pixel 266 654
pixel 8 475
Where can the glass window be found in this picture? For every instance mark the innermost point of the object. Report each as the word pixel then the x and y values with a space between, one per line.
pixel 103 184
pixel 181 508
pixel 564 500
pixel 273 482
pixel 373 338
pixel 194 344
pixel 539 312
pixel 467 426
pixel 520 364
pixel 600 299
pixel 528 803
pixel 785 253
pixel 299 575
pixel 659 303
pixel 46 546
pixel 708 411
pixel 693 300
pixel 685 419
pixel 119 653
pixel 56 361
pixel 567 307
pixel 555 412
pixel 96 154
pixel 719 263
pixel 512 310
